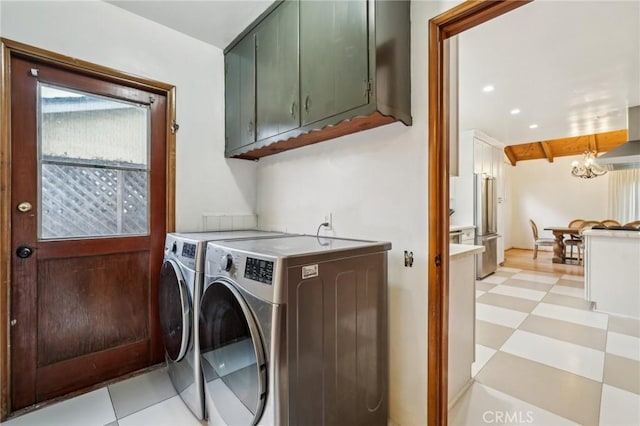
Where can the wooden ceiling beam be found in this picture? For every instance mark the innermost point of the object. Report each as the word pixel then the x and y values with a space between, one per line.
pixel 547 151
pixel 575 145
pixel 510 155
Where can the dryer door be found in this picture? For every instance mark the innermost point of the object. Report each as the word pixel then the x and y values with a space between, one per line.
pixel 174 310
pixel 232 355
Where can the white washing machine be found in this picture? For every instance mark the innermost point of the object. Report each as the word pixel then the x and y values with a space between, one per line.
pixel 293 331
pixel 179 293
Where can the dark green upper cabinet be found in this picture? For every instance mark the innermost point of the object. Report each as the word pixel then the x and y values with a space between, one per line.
pixel 334 58
pixel 307 71
pixel 240 95
pixel 277 76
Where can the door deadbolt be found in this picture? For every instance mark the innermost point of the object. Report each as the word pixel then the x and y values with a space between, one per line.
pixel 23 252
pixel 24 206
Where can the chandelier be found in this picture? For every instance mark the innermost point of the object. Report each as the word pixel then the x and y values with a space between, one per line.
pixel 587 169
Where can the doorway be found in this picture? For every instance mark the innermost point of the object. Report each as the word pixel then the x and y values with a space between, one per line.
pixel 448 24
pixel 87 200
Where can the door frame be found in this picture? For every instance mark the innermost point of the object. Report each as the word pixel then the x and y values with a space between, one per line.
pixel 9 49
pixel 448 24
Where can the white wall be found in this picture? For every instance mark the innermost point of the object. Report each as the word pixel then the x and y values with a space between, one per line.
pixel 104 34
pixel 375 184
pixel 551 196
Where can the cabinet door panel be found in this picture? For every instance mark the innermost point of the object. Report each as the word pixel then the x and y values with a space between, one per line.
pixel 333 57
pixel 232 100
pixel 246 56
pixel 277 89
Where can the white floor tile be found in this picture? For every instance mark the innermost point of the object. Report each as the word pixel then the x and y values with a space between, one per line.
pixel 576 316
pixel 493 279
pixel 623 345
pixel 568 291
pixel 619 407
pixel 167 413
pixel 543 279
pixel 578 278
pixel 566 356
pixel 507 269
pixel 93 408
pixel 501 316
pixel 482 405
pixel 523 293
pixel 483 355
pixel 479 293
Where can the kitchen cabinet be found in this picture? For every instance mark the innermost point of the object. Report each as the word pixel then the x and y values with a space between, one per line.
pixel 462 317
pixel 611 271
pixel 321 69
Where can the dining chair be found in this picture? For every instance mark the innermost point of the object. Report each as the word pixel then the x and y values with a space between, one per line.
pixel 635 224
pixel 578 243
pixel 610 222
pixel 539 241
pixel 573 239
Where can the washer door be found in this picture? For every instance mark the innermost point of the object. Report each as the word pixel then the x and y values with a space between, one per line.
pixel 232 355
pixel 174 310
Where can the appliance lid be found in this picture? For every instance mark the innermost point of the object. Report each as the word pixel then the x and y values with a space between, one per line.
pixel 627 155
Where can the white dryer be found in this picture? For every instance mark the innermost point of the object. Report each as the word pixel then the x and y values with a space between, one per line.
pixel 293 331
pixel 179 293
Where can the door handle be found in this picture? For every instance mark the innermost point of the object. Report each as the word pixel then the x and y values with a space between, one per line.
pixel 24 207
pixel 293 109
pixel 23 252
pixel 307 103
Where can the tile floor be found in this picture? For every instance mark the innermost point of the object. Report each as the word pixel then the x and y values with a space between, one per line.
pixel 543 357
pixel 145 400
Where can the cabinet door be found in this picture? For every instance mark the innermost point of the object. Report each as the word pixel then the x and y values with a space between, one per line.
pixel 333 58
pixel 240 94
pixel 477 155
pixel 277 88
pixel 487 159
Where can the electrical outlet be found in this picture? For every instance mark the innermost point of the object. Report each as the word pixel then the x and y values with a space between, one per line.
pixel 328 218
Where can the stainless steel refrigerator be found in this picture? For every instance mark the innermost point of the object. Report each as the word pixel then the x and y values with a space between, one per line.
pixel 485 208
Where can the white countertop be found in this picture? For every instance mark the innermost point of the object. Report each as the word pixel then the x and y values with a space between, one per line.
pixel 615 234
pixel 456 250
pixel 455 228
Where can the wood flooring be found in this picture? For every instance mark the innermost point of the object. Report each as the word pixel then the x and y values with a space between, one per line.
pixel 523 259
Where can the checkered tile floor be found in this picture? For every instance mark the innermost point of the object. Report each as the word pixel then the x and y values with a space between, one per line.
pixel 544 357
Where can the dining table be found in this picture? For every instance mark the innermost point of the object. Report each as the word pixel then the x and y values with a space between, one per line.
pixel 559 248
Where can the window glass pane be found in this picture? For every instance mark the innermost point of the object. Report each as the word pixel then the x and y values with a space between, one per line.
pixel 93 165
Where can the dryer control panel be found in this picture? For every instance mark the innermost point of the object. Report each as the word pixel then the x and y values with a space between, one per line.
pixel 259 270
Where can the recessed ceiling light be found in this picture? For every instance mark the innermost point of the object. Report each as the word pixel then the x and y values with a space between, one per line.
pixel 533 126
pixel 515 111
pixel 488 88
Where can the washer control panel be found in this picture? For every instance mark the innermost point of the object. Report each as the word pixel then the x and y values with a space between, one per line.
pixel 259 270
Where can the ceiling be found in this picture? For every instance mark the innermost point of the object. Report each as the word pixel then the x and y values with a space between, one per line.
pixel 571 67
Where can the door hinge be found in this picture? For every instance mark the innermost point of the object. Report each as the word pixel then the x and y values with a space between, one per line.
pixel 368 87
pixel 174 126
pixel 34 72
pixel 438 260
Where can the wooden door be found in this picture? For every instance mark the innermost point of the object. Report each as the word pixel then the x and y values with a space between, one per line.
pixel 334 58
pixel 88 223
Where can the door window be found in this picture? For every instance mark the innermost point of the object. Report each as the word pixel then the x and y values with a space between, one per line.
pixel 93 165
